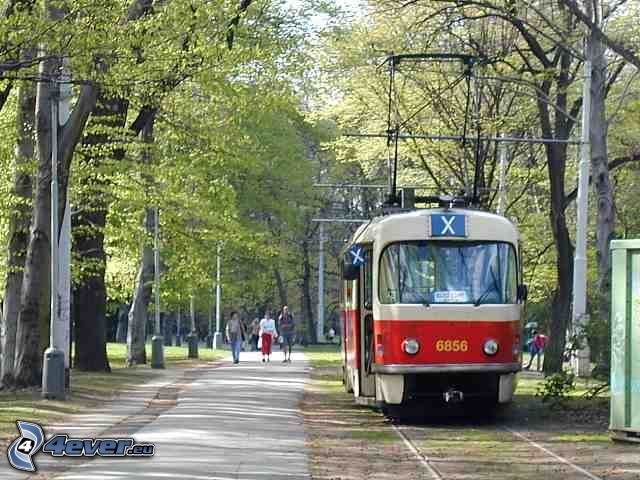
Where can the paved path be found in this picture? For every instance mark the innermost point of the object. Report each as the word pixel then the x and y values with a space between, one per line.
pixel 233 422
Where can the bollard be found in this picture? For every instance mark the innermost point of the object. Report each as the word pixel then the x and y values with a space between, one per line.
pixel 192 342
pixel 157 351
pixel 210 341
pixel 217 340
pixel 53 382
pixel 178 341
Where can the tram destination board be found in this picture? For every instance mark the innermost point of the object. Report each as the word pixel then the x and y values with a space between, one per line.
pixel 448 225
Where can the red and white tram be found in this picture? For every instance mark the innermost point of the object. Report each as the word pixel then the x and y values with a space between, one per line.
pixel 432 302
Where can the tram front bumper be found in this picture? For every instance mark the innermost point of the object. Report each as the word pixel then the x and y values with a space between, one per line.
pixel 402 369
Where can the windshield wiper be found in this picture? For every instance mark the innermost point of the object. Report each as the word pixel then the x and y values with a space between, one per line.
pixel 494 286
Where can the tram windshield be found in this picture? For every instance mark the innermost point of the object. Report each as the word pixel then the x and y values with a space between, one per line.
pixel 426 272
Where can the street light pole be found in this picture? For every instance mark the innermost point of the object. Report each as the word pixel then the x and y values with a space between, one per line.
pixel 53 382
pixel 320 324
pixel 178 334
pixel 192 338
pixel 502 186
pixel 579 312
pixel 217 339
pixel 157 342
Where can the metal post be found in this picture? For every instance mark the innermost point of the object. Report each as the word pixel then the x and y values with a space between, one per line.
pixel 178 336
pixel 320 324
pixel 53 383
pixel 217 340
pixel 192 338
pixel 579 317
pixel 64 242
pixel 502 187
pixel 210 330
pixel 157 342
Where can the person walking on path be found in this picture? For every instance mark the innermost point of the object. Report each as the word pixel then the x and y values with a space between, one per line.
pixel 536 349
pixel 267 333
pixel 235 335
pixel 255 334
pixel 286 326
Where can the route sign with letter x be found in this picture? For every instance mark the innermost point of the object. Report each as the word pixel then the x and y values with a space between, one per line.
pixel 357 255
pixel 448 225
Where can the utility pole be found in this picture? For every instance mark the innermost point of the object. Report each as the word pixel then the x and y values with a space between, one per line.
pixel 502 187
pixel 53 382
pixel 320 324
pixel 579 313
pixel 217 340
pixel 178 336
pixel 64 243
pixel 210 330
pixel 192 338
pixel 157 341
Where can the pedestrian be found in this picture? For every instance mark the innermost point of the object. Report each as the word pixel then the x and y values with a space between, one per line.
pixel 287 328
pixel 235 335
pixel 331 335
pixel 255 331
pixel 267 333
pixel 536 348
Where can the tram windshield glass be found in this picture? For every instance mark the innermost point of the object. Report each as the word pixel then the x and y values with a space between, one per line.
pixel 426 272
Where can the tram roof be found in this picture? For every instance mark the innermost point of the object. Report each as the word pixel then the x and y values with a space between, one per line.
pixel 416 225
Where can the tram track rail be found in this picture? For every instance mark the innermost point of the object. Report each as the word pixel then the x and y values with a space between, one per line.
pixel 430 463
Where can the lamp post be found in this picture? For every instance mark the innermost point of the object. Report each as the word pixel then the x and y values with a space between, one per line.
pixel 217 339
pixel 157 341
pixel 192 338
pixel 178 333
pixel 320 324
pixel 580 317
pixel 53 381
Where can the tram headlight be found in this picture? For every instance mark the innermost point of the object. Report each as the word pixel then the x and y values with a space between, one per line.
pixel 490 347
pixel 411 346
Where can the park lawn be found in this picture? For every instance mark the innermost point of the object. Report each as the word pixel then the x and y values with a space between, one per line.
pixel 89 389
pixel 324 356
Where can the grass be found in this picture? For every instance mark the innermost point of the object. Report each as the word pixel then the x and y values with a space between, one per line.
pixel 324 356
pixel 583 437
pixel 90 388
pixel 117 353
pixel 529 385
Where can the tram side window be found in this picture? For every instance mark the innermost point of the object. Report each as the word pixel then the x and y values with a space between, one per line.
pixel 368 278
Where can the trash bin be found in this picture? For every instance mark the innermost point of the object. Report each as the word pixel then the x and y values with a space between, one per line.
pixel 625 340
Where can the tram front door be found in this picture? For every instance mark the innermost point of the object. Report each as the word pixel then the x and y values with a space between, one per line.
pixel 367 378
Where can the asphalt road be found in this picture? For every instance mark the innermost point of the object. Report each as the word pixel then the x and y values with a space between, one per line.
pixel 232 422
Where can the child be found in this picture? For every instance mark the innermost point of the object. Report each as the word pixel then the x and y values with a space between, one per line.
pixel 536 349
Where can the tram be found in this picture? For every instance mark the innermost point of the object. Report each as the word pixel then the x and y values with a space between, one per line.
pixel 432 302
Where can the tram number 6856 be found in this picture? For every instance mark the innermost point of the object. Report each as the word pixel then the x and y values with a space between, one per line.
pixel 452 346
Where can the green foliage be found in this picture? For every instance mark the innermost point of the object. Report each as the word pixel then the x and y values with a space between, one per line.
pixel 556 388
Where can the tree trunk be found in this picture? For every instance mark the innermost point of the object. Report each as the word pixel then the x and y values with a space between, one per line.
pixel 37 283
pixel 19 224
pixel 561 302
pixel 121 329
pixel 282 288
pixel 601 183
pixel 90 296
pixel 138 314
